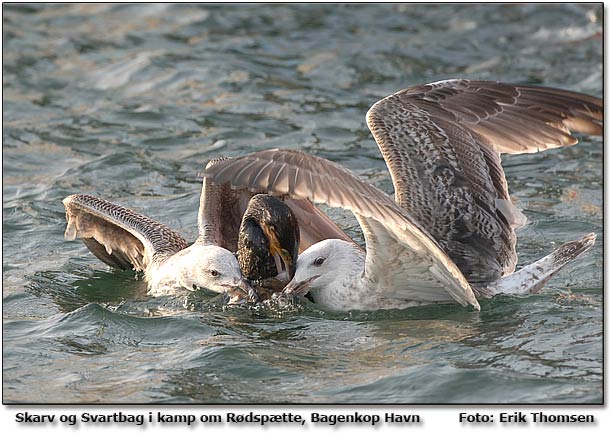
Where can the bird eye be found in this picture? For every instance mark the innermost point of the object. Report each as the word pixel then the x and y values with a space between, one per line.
pixel 319 261
pixel 214 273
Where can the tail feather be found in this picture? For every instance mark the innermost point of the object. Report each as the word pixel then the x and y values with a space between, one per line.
pixel 532 278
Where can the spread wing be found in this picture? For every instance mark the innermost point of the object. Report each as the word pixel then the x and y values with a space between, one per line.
pixel 118 236
pixel 402 260
pixel 314 224
pixel 222 207
pixel 441 142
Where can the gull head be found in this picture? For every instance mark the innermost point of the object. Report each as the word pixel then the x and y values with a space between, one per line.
pixel 326 264
pixel 213 268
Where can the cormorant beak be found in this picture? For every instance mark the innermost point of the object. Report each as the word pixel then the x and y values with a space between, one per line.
pixel 301 288
pixel 284 265
pixel 282 258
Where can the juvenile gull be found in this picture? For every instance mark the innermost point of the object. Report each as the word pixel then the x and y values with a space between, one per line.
pixel 449 233
pixel 256 226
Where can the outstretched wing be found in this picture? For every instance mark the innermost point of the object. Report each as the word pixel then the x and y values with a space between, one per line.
pixel 441 142
pixel 222 207
pixel 402 260
pixel 118 236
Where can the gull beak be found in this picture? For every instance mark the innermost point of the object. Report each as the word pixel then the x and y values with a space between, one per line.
pixel 249 290
pixel 300 288
pixel 241 289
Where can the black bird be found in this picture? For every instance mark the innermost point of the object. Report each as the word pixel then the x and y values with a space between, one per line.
pixel 268 244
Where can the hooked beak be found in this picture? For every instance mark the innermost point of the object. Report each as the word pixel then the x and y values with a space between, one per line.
pixel 284 264
pixel 249 290
pixel 244 287
pixel 300 288
pixel 282 258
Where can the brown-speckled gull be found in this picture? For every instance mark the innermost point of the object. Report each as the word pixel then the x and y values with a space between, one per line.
pixel 449 233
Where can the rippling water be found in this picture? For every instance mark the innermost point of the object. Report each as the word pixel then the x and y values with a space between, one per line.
pixel 127 102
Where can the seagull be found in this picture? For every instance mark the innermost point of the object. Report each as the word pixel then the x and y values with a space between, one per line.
pixel 263 230
pixel 448 235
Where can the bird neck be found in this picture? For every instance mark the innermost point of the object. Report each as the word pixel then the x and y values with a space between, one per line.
pixel 253 253
pixel 174 273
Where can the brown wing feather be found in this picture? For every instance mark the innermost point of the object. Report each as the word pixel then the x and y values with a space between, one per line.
pixel 220 212
pixel 314 224
pixel 119 236
pixel 222 208
pixel 326 181
pixel 317 180
pixel 118 259
pixel 441 142
pixel 391 234
pixel 546 115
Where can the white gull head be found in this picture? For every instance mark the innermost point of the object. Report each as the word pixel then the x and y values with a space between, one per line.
pixel 329 270
pixel 198 266
pixel 333 272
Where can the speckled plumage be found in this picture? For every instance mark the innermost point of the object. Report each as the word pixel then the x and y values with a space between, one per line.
pixel 266 212
pixel 441 142
pixel 125 239
pixel 449 232
pixel 117 235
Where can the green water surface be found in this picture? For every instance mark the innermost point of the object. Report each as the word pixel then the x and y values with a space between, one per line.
pixel 128 102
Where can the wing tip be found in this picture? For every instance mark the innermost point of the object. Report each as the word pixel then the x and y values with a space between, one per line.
pixel 71 230
pixel 514 216
pixel 570 250
pixel 583 244
pixel 589 239
pixel 472 300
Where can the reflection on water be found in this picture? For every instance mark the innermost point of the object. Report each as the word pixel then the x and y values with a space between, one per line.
pixel 128 102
